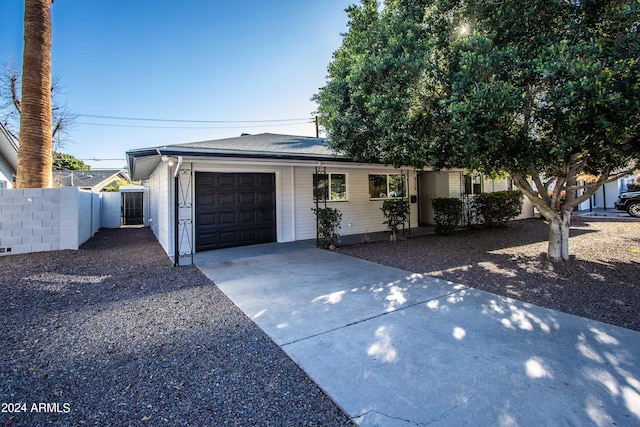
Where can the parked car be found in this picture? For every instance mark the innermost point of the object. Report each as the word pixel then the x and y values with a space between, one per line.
pixel 629 202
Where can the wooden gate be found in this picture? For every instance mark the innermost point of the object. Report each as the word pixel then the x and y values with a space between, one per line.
pixel 132 208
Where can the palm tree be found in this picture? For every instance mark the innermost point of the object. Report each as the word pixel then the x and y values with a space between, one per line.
pixel 34 154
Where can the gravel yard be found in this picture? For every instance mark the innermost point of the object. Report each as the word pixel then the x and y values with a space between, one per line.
pixel 111 334
pixel 601 281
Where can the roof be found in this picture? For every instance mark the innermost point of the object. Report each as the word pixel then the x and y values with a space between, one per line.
pixel 8 148
pixel 95 179
pixel 142 162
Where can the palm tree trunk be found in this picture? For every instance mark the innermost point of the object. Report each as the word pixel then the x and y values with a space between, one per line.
pixel 34 154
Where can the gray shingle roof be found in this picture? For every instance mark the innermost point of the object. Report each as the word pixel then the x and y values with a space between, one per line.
pixel 265 143
pixel 143 161
pixel 87 179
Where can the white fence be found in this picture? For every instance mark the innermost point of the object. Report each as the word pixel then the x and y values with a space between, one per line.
pixel 36 220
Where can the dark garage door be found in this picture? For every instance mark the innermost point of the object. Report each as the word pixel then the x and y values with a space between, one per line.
pixel 234 209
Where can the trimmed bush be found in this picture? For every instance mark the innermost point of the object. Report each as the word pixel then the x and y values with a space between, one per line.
pixel 447 214
pixel 328 226
pixel 495 209
pixel 396 211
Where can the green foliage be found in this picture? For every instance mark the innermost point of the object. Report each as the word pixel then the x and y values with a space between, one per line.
pixel 447 214
pixel 328 225
pixel 544 91
pixel 62 161
pixel 116 187
pixel 530 84
pixel 493 209
pixel 396 211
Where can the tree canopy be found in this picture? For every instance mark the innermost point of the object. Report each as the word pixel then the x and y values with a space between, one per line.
pixel 544 90
pixel 62 161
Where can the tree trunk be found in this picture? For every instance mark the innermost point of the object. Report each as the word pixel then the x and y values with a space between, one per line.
pixel 34 154
pixel 558 248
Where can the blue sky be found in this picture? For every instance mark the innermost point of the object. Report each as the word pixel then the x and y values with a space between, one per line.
pixel 209 60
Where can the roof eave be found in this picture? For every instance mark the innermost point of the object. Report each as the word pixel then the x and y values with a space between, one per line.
pixel 173 151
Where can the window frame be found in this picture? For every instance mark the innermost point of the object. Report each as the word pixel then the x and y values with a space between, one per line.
pixel 473 182
pixel 388 191
pixel 330 184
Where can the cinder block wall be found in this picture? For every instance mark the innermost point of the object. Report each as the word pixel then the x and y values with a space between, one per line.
pixel 35 220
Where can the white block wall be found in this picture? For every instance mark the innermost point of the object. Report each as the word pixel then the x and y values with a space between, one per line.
pixel 35 220
pixel 111 209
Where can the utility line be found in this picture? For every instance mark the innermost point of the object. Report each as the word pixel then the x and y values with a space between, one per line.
pixel 97 116
pixel 192 127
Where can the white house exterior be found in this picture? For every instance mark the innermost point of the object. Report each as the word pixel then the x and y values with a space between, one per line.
pixel 8 158
pixel 197 191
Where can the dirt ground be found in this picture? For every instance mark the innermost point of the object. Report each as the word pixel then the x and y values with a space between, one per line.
pixel 601 281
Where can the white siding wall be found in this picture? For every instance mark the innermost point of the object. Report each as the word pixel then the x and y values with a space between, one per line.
pixel 6 175
pixel 294 195
pixel 359 213
pixel 161 207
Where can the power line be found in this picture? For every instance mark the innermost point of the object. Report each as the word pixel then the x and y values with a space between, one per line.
pixel 97 116
pixel 192 127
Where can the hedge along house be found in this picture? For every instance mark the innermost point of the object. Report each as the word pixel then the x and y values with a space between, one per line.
pixel 257 189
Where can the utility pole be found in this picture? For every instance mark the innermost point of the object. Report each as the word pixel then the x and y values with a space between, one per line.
pixel 317 128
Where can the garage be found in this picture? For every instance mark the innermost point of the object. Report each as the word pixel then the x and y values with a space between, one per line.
pixel 234 209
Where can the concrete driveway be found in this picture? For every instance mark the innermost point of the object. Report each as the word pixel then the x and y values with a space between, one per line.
pixel 395 348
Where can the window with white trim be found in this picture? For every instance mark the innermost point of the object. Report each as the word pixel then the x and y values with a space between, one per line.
pixel 472 184
pixel 387 186
pixel 330 186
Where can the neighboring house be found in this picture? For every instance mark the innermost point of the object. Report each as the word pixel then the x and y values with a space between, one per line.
pixel 8 158
pixel 95 180
pixel 261 188
pixel 609 193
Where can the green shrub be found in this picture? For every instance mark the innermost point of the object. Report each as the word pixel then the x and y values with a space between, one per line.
pixel 447 214
pixel 494 209
pixel 328 225
pixel 396 211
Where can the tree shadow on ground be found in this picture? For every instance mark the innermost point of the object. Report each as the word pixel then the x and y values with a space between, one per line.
pixel 599 281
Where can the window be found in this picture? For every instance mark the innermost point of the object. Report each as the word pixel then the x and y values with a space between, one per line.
pixel 472 184
pixel 330 186
pixel 386 186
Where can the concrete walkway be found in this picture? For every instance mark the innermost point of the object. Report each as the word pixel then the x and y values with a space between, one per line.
pixel 394 348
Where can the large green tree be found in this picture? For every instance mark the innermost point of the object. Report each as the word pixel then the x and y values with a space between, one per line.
pixel 544 90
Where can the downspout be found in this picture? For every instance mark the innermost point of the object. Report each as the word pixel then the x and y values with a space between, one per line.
pixel 176 181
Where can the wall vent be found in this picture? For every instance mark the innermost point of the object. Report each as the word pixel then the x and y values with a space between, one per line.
pixel 5 250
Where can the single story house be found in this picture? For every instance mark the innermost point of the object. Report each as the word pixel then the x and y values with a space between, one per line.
pixel 262 188
pixel 8 158
pixel 95 180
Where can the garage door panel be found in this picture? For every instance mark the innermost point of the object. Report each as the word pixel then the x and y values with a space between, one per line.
pixel 227 237
pixel 205 199
pixel 247 198
pixel 225 180
pixel 248 217
pixel 264 197
pixel 228 218
pixel 234 209
pixel 227 199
